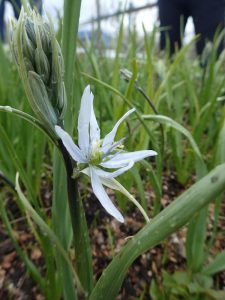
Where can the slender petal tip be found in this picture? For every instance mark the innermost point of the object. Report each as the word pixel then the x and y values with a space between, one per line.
pixel 102 196
pixel 152 153
pixel 120 219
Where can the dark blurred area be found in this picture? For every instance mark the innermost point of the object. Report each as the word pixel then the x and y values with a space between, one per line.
pixel 208 18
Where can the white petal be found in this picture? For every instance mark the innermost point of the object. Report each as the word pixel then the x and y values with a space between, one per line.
pixel 72 148
pixel 122 159
pixel 84 119
pixel 104 199
pixel 109 138
pixel 116 173
pixel 94 128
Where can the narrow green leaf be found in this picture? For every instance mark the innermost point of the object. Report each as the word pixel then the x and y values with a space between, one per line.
pixel 155 180
pixel 195 241
pixel 70 28
pixel 18 165
pixel 173 67
pixel 216 295
pixel 217 265
pixel 170 122
pixel 220 149
pixel 140 187
pixel 16 112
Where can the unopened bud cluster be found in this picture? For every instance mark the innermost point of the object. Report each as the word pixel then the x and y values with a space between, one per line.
pixel 40 63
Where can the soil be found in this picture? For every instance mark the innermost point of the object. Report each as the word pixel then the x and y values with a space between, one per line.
pixel 107 238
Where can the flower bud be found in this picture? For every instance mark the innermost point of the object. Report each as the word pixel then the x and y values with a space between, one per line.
pixel 40 64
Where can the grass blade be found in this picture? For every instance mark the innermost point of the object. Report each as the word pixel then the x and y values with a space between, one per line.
pixel 170 122
pixel 69 38
pixel 217 265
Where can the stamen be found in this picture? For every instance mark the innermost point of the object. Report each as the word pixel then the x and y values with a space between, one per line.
pixel 115 145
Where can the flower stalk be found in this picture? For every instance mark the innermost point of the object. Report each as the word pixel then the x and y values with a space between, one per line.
pixel 80 231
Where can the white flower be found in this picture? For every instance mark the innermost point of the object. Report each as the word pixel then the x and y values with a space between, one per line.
pixel 98 154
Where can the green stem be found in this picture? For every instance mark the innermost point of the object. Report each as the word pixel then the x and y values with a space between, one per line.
pixel 153 107
pixel 79 225
pixel 32 120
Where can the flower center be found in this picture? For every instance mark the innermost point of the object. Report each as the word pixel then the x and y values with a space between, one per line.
pixel 96 154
